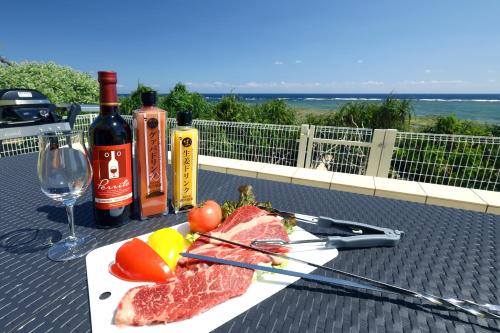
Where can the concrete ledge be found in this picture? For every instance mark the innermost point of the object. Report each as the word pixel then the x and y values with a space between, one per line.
pixel 493 210
pixel 216 164
pixel 491 198
pixel 441 195
pixel 455 197
pixel 353 183
pixel 244 168
pixel 399 189
pixel 312 177
pixel 279 173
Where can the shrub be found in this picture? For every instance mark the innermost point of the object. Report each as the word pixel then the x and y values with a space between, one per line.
pixel 61 84
pixel 495 130
pixel 133 101
pixel 452 125
pixel 275 112
pixel 355 114
pixel 325 119
pixel 232 108
pixel 391 113
pixel 180 98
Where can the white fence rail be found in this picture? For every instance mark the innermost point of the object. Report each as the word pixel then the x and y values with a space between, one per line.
pixel 456 160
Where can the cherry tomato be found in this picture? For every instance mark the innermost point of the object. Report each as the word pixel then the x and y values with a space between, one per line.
pixel 206 217
pixel 137 261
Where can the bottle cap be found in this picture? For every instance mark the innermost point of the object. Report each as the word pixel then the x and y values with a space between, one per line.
pixel 148 98
pixel 184 118
pixel 107 88
pixel 106 77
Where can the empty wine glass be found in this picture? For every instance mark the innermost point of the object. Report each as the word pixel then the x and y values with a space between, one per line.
pixel 65 172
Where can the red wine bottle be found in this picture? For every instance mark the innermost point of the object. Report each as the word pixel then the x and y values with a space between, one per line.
pixel 110 140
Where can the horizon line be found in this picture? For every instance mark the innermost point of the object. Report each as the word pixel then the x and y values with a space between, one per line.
pixel 324 93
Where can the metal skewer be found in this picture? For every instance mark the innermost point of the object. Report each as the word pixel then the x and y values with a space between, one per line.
pixel 281 242
pixel 452 302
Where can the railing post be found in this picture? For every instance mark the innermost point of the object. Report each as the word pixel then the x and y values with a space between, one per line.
pixel 387 151
pixel 310 143
pixel 304 135
pixel 375 152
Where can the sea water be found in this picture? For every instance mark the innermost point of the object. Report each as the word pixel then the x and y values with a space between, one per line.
pixel 480 107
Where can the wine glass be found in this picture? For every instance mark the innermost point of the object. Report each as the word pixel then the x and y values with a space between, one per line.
pixel 65 172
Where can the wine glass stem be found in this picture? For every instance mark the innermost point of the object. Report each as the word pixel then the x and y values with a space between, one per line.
pixel 71 220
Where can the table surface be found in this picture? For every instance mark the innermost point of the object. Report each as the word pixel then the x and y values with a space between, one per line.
pixel 445 251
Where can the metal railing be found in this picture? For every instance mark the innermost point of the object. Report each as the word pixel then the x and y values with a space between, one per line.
pixel 268 143
pixel 455 160
pixel 340 149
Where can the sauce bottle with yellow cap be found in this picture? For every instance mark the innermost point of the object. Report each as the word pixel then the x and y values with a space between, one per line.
pixel 184 163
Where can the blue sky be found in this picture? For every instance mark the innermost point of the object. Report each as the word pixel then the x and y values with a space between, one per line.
pixel 328 46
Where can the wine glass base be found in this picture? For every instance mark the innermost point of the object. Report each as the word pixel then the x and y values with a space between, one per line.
pixel 72 248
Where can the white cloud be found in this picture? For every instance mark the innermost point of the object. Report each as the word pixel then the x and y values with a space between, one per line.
pixel 423 82
pixel 301 85
pixel 372 83
pixel 257 85
pixel 360 61
pixel 490 71
pixel 253 84
pixel 428 71
pixel 121 86
pixel 277 62
pixel 298 61
pixel 492 81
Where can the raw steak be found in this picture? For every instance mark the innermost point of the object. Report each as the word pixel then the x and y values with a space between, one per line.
pixel 200 286
pixel 185 297
pixel 261 227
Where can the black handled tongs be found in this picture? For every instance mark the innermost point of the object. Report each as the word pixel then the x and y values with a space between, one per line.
pixel 360 235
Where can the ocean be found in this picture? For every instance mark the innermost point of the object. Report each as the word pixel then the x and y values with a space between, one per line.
pixel 480 107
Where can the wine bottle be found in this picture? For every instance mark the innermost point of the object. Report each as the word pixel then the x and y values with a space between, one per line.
pixel 110 140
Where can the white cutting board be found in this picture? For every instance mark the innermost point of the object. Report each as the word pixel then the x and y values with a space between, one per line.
pixel 100 280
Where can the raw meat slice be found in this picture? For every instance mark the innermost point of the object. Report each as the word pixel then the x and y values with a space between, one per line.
pixel 184 298
pixel 200 286
pixel 261 227
pixel 241 215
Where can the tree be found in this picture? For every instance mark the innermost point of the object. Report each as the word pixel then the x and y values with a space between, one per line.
pixel 61 84
pixel 133 101
pixel 231 108
pixel 275 112
pixel 391 113
pixel 452 125
pixel 180 99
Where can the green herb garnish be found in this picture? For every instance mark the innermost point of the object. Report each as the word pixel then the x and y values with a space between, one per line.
pixel 191 237
pixel 248 198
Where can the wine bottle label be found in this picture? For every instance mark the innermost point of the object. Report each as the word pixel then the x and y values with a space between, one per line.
pixel 112 175
pixel 154 157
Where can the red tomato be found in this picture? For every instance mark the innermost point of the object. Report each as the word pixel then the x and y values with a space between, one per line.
pixel 137 261
pixel 206 217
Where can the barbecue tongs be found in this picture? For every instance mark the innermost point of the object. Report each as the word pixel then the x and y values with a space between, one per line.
pixel 363 235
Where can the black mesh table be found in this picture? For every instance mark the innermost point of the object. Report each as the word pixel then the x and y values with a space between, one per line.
pixel 445 251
